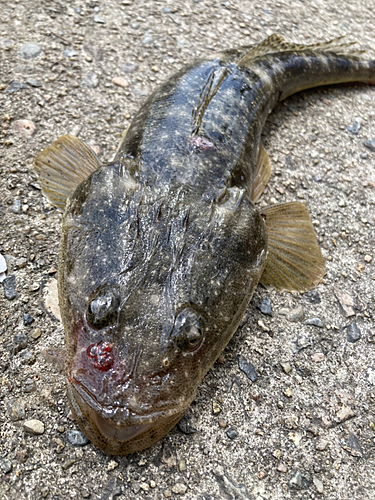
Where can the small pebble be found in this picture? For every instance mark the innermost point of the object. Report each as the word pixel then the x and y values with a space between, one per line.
pixel 36 333
pixel 265 305
pixel 24 127
pixel 129 67
pixel 147 40
pixel 232 433
pixel 296 481
pixel 277 454
pixel 30 51
pixel 314 430
pixel 136 487
pixel 344 413
pixel 222 423
pixel 370 144
pixel 247 368
pixel 33 83
pixel 19 342
pixel 139 93
pixel 15 409
pixel 286 367
pixel 90 81
pixel 121 82
pixel 346 302
pixel 184 425
pixel 15 208
pixel 70 53
pixel 216 408
pixel 318 485
pixel 288 393
pixel 313 297
pixel 112 465
pixel 99 20
pixel 354 129
pixel 27 319
pixel 296 314
pixel 68 463
pixel 9 285
pixel 21 263
pixel 5 466
pixel 352 445
pixel 179 489
pixel 301 343
pixel 21 456
pixel 29 385
pixel 15 86
pixel 314 322
pixel 44 491
pixel 167 493
pixel 353 333
pixel 34 426
pixel 182 465
pixel 34 287
pixel 145 486
pixel 3 264
pixel 282 468
pixel 318 357
pixel 367 258
pixel 28 357
pixel 321 444
pixel 76 438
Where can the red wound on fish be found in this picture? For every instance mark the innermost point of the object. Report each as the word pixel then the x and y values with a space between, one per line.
pixel 101 353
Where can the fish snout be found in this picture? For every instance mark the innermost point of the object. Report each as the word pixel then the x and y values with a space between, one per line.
pixel 115 430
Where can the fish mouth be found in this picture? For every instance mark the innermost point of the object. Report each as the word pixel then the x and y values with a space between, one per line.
pixel 117 431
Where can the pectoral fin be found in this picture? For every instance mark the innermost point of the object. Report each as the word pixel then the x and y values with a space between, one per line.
pixel 62 166
pixel 295 261
pixel 262 173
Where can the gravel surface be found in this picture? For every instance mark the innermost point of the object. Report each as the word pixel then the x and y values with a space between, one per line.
pixel 303 425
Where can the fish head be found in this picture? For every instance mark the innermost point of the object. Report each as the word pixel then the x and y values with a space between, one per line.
pixel 151 289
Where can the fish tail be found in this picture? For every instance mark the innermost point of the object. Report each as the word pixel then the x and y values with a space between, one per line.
pixel 290 68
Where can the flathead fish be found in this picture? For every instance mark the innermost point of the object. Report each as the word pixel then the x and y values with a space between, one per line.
pixel 163 247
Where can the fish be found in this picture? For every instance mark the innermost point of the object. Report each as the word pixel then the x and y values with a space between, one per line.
pixel 163 247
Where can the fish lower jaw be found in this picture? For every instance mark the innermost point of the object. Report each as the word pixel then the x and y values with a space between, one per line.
pixel 113 438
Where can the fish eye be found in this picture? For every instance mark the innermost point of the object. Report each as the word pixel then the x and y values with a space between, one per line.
pixel 187 332
pixel 102 310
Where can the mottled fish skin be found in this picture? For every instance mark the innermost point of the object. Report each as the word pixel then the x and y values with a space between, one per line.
pixel 168 238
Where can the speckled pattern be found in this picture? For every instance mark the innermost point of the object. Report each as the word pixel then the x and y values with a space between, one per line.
pixel 306 425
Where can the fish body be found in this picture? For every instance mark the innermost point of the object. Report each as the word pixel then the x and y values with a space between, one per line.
pixel 163 247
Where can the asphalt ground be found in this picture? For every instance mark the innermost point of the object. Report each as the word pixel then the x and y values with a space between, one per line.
pixel 305 428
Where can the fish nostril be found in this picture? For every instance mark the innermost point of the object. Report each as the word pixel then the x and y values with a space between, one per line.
pixel 101 353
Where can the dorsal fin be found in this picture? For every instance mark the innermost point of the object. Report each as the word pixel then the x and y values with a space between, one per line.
pixel 62 166
pixel 276 43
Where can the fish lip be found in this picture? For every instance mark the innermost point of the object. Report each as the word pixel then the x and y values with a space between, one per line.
pixel 119 432
pixel 118 416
